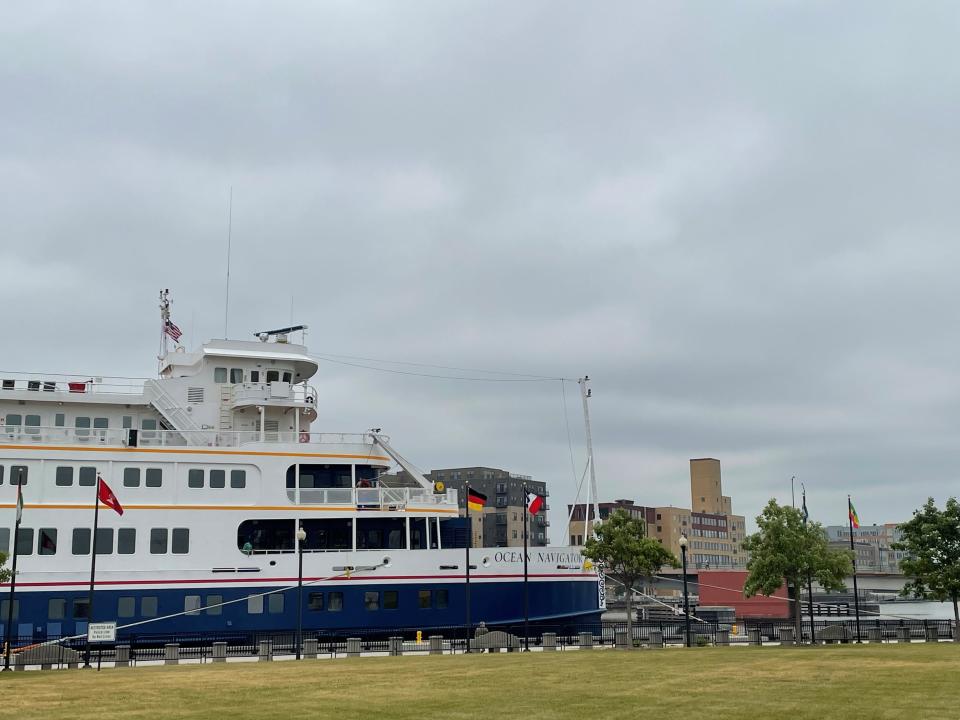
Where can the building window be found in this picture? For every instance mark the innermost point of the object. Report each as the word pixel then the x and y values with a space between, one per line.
pixel 126 607
pixel 238 478
pixel 371 600
pixel 181 541
pixel 334 601
pixel 64 476
pixel 275 603
pixel 315 601
pixel 443 599
pixel 47 542
pixel 131 477
pixel 148 606
pixel 126 541
pixel 214 604
pixel 424 598
pixel 391 599
pixel 219 375
pixel 195 478
pixel 191 604
pixel 218 478
pixel 81 541
pixel 158 541
pixel 153 477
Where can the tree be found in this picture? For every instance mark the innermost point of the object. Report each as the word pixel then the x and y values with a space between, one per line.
pixel 931 538
pixel 4 573
pixel 784 550
pixel 627 555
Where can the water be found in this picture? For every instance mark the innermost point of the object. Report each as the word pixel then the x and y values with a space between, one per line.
pixel 916 611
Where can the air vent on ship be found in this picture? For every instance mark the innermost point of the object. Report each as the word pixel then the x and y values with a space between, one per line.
pixel 195 395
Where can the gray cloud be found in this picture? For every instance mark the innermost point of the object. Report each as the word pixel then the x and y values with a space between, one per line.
pixel 738 219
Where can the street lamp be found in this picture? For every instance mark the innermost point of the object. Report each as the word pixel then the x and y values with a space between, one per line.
pixel 686 596
pixel 301 536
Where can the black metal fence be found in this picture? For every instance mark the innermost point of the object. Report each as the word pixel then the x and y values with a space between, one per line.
pixel 133 649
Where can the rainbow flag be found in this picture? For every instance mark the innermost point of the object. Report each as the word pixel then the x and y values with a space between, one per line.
pixel 854 518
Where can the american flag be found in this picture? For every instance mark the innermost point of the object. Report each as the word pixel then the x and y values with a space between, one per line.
pixel 173 331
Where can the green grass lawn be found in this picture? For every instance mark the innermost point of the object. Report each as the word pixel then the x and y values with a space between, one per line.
pixel 868 681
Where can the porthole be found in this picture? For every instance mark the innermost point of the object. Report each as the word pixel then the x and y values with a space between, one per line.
pixel 486 561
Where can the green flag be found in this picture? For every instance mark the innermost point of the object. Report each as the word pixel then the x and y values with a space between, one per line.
pixel 19 503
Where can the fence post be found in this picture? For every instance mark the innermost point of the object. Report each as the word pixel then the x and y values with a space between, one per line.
pixel 754 636
pixel 656 638
pixel 931 633
pixel 875 635
pixel 123 656
pixel 219 652
pixel 549 642
pixel 436 644
pixel 265 651
pixel 586 641
pixel 723 637
pixel 310 646
pixel 903 634
pixel 353 647
pixel 395 645
pixel 621 641
pixel 171 654
pixel 786 636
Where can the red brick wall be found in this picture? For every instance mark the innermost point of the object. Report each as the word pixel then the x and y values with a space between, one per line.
pixel 725 588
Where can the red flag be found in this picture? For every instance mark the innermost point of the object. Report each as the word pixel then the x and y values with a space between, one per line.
pixel 534 503
pixel 106 496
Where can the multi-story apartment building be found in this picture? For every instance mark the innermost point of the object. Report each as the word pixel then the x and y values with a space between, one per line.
pixel 872 544
pixel 578 524
pixel 501 522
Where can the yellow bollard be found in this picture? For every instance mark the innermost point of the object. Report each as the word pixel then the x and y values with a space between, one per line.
pixel 419 636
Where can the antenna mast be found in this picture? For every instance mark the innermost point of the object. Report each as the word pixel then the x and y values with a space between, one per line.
pixel 164 321
pixel 585 393
pixel 226 305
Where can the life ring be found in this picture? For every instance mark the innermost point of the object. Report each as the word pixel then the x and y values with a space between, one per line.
pixel 310 400
pixel 304 437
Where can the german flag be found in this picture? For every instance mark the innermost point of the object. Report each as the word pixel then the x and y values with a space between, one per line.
pixel 476 500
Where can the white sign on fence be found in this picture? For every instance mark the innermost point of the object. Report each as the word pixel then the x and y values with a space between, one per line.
pixel 102 632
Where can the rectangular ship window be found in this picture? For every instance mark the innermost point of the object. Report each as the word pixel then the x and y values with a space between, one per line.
pixel 153 477
pixel 131 477
pixel 47 542
pixel 148 606
pixel 443 599
pixel 238 478
pixel 126 541
pixel 255 605
pixel 218 478
pixel 195 478
pixel 275 603
pixel 25 541
pixel 126 607
pixel 315 601
pixel 64 476
pixel 181 541
pixel 391 599
pixel 425 598
pixel 87 477
pixel 56 608
pixel 214 605
pixel 81 541
pixel 158 541
pixel 334 601
pixel 371 600
pixel 103 543
pixel 191 604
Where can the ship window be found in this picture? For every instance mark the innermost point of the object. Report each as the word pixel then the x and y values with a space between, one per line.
pixel 236 375
pixel 5 540
pixel 25 541
pixel 81 541
pixel 127 422
pixel 82 424
pixel 64 476
pixel 266 535
pixel 153 477
pixel 131 477
pixel 87 476
pixel 158 541
pixel 273 376
pixel 275 604
pixel 381 533
pixel 191 604
pixel 104 541
pixel 101 423
pixel 218 478
pixel 32 424
pixel 371 600
pixel 254 376
pixel 126 607
pixel 334 601
pixel 320 476
pixel 180 544
pixel 1 474
pixel 195 478
pixel 219 375
pixel 255 605
pixel 391 599
pixel 5 609
pixel 13 422
pixel 81 609
pixel 315 602
pixel 418 533
pixel 443 599
pixel 328 533
pixel 59 420
pixel 238 478
pixel 126 541
pixel 56 608
pixel 18 474
pixel 214 604
pixel 47 541
pixel 425 598
pixel 287 377
pixel 148 606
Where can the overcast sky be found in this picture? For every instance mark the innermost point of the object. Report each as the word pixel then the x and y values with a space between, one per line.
pixel 739 218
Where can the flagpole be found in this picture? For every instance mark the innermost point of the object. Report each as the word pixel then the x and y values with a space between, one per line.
pixel 526 593
pixel 93 568
pixel 469 542
pixel 856 594
pixel 13 579
pixel 813 632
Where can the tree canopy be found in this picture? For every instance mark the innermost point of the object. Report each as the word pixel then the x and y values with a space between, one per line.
pixel 931 538
pixel 4 572
pixel 626 554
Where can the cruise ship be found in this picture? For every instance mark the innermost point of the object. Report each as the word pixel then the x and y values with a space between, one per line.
pixel 218 464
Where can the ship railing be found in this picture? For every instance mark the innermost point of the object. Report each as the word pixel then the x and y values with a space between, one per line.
pixel 15 428
pixel 72 384
pixel 378 498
